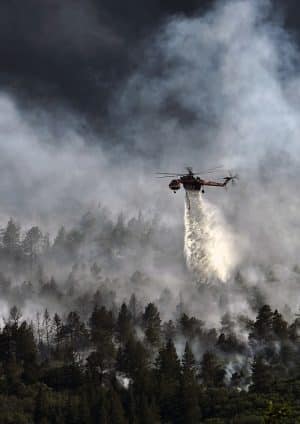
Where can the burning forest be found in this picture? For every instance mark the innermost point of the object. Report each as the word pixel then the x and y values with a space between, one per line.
pixel 121 302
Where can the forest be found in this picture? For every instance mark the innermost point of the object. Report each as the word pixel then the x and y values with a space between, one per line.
pixel 78 353
pixel 122 366
pixel 104 317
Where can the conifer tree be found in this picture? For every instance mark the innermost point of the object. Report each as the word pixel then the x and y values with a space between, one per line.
pixel 11 237
pixel 188 362
pixel 212 373
pixel 168 372
pixel 263 326
pixel 148 412
pixel 280 326
pixel 124 327
pixel 262 378
pixel 189 407
pixel 133 309
pixel 151 324
pixel 132 359
pixel 31 243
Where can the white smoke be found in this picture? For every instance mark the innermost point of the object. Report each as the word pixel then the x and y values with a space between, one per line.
pixel 227 92
pixel 222 88
pixel 208 246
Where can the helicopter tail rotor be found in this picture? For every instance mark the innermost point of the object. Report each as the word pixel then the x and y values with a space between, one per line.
pixel 231 178
pixel 234 178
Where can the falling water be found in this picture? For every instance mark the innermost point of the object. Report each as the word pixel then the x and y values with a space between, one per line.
pixel 207 245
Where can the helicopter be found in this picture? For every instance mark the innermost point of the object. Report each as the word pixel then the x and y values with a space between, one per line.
pixel 191 181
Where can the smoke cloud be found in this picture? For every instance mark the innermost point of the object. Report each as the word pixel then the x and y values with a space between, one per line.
pixel 224 93
pixel 220 88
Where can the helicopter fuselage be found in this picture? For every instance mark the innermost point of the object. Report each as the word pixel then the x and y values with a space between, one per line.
pixel 189 182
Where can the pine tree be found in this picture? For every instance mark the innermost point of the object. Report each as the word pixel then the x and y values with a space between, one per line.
pixel 60 240
pixel 101 330
pixel 132 359
pixel 168 372
pixel 57 329
pixel 14 316
pixel 169 330
pixel 280 326
pixel 102 325
pixel 124 327
pixel 101 361
pixel 75 332
pixel 133 307
pixel 151 324
pixel 47 327
pixel 189 407
pixel 18 349
pixel 190 326
pixel 11 237
pixel 31 243
pixel 188 362
pixel 262 377
pixel 212 373
pixel 148 412
pixel 294 330
pixel 263 326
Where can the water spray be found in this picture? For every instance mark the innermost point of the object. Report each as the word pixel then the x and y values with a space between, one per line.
pixel 207 245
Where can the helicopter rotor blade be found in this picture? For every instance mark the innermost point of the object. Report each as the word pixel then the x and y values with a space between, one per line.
pixel 167 176
pixel 168 173
pixel 181 174
pixel 205 172
pixel 210 170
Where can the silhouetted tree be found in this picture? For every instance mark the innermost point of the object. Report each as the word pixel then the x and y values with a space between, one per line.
pixel 190 326
pixel 151 324
pixel 263 326
pixel 280 326
pixel 124 326
pixel 212 372
pixel 168 372
pixel 133 307
pixel 132 358
pixel 261 375
pixel 189 407
pixel 30 244
pixel 11 237
pixel 101 326
pixel 74 332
